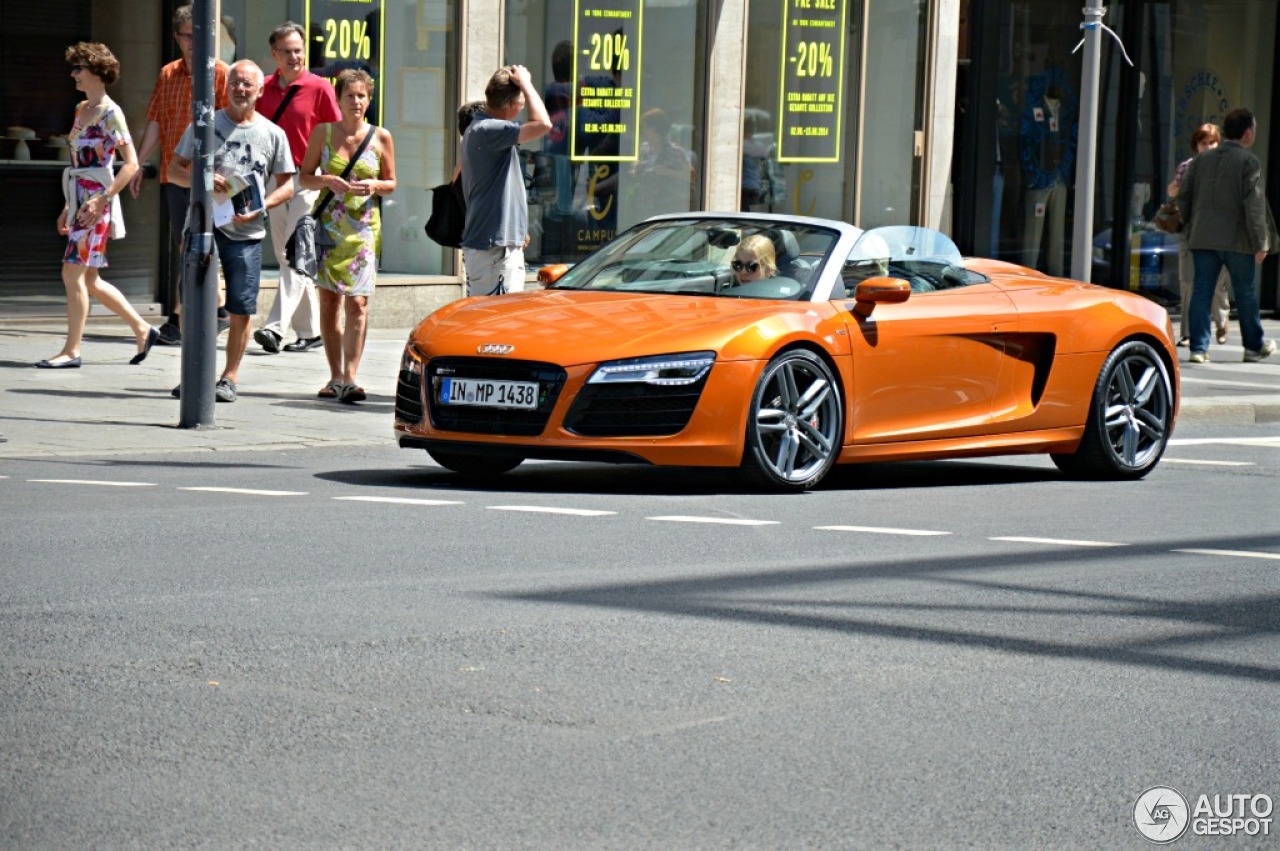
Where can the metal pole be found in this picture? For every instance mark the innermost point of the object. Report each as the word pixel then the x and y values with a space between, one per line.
pixel 199 278
pixel 1087 143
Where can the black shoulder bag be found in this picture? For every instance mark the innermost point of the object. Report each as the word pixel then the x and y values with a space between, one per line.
pixel 309 242
pixel 448 214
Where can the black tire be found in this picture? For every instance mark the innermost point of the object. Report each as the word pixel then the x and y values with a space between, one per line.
pixel 476 466
pixel 795 424
pixel 1130 417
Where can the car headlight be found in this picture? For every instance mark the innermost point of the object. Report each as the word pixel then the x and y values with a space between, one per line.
pixel 410 360
pixel 668 370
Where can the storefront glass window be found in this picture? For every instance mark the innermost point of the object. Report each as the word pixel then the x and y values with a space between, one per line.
pixel 1038 102
pixel 1017 126
pixel 410 49
pixel 626 100
pixel 891 158
pixel 799 142
pixel 1195 62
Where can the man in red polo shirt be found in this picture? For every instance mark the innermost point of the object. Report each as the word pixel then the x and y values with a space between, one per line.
pixel 296 100
pixel 168 114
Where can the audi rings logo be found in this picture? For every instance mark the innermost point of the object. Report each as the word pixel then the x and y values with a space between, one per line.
pixel 494 349
pixel 1161 814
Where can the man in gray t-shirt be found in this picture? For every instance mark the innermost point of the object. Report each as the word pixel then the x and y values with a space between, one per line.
pixel 246 143
pixel 497 225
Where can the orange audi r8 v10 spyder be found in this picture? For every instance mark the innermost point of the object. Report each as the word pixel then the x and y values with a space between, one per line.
pixel 784 345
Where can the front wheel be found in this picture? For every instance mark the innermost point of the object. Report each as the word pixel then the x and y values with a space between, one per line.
pixel 476 466
pixel 1130 417
pixel 796 421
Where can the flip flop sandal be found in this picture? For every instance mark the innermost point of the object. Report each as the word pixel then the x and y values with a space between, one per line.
pixel 352 394
pixel 332 390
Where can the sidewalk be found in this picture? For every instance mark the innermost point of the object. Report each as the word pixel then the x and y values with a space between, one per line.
pixel 109 407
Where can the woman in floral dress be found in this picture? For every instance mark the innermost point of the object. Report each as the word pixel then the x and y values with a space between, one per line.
pixel 351 219
pixel 92 210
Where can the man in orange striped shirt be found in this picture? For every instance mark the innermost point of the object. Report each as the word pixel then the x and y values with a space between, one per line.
pixel 168 114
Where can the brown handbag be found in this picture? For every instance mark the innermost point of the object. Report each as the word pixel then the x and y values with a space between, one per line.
pixel 1169 217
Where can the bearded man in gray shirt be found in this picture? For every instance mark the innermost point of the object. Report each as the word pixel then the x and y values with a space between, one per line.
pixel 497 225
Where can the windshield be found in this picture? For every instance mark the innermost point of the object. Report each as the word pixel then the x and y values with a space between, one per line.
pixel 925 258
pixel 732 258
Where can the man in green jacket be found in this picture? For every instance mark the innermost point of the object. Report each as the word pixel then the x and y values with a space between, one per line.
pixel 1228 224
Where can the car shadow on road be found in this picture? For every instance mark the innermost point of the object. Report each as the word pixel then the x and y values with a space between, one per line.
pixel 558 477
pixel 808 597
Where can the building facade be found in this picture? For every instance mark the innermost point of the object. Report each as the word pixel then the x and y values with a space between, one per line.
pixel 957 114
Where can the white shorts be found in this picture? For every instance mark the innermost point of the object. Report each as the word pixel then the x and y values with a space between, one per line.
pixel 494 271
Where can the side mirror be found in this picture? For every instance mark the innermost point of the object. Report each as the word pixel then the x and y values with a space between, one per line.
pixel 548 275
pixel 873 291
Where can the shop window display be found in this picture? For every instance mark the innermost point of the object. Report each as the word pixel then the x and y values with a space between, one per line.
pixel 626 104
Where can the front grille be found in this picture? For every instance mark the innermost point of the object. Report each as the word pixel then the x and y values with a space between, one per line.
pixel 633 410
pixel 409 397
pixel 479 420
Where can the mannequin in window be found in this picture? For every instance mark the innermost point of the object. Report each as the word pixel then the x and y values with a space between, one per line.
pixel 1048 154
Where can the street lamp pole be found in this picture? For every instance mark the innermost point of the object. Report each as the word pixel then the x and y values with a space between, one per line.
pixel 199 278
pixel 1087 154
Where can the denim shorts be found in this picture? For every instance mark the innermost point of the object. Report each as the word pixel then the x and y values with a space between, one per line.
pixel 241 261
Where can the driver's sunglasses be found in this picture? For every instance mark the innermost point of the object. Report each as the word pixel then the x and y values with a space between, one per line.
pixel 738 266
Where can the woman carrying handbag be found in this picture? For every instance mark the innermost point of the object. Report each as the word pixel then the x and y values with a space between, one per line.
pixel 355 162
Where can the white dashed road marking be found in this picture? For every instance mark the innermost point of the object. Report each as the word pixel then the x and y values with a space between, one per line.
pixel 1227 441
pixel 543 509
pixel 1207 463
pixel 727 521
pixel 400 500
pixel 1233 553
pixel 1224 383
pixel 248 491
pixel 1059 541
pixel 877 530
pixel 97 483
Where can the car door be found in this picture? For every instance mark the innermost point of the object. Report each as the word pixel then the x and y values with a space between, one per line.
pixel 928 367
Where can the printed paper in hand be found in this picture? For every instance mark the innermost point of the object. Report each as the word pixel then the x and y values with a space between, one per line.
pixel 245 195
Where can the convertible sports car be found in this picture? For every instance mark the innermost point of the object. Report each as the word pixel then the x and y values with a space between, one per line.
pixel 856 346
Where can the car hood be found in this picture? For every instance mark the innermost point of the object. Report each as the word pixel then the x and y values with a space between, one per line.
pixel 571 327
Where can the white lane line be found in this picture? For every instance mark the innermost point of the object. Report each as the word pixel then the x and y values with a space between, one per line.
pixel 1233 553
pixel 542 509
pixel 248 491
pixel 879 530
pixel 1225 383
pixel 1226 441
pixel 399 500
pixel 1208 463
pixel 727 521
pixel 1063 542
pixel 93 482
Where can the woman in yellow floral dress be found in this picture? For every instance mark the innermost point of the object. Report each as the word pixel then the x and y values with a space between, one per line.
pixel 92 211
pixel 351 219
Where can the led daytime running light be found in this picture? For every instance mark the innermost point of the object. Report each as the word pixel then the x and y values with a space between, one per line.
pixel 667 370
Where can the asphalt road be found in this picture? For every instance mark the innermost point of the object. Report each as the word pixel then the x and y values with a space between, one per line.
pixel 352 648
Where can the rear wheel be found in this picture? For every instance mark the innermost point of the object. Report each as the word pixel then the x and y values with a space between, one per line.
pixel 479 466
pixel 796 420
pixel 1130 417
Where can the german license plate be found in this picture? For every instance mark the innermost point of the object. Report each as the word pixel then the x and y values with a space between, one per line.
pixel 489 394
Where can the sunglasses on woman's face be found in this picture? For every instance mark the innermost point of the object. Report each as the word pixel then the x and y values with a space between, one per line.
pixel 738 266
